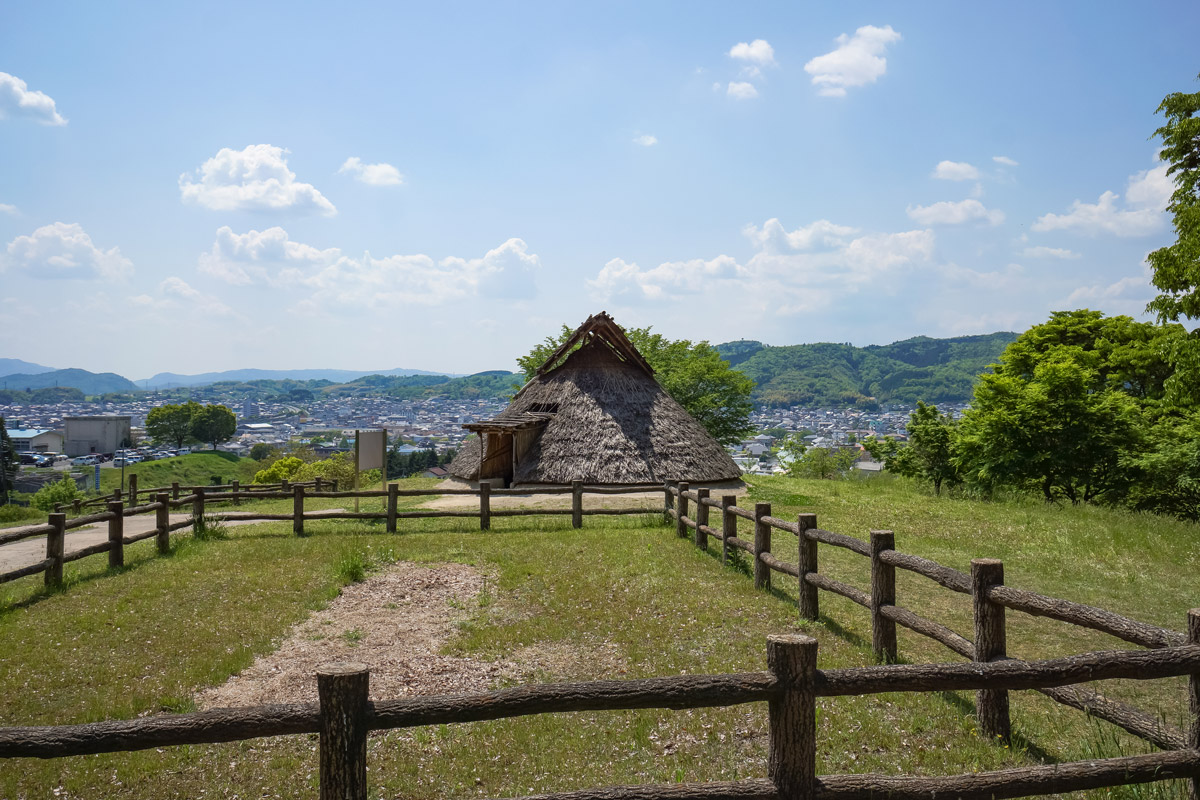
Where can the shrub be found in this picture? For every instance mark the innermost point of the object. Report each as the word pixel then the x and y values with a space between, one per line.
pixel 284 469
pixel 64 491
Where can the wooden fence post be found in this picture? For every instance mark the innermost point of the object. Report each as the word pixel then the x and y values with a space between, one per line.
pixel 393 499
pixel 485 505
pixel 883 593
pixel 298 510
pixel 162 519
pixel 237 488
pixel 810 605
pixel 668 502
pixel 576 504
pixel 701 518
pixel 333 485
pixel 991 705
pixel 762 544
pixel 285 486
pixel 342 689
pixel 78 506
pixel 133 490
pixel 728 524
pixel 1193 734
pixel 116 534
pixel 55 545
pixel 175 490
pixel 116 495
pixel 680 525
pixel 198 511
pixel 317 483
pixel 792 716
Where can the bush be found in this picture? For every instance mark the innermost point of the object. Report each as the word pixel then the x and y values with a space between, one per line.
pixel 284 469
pixel 64 491
pixel 15 513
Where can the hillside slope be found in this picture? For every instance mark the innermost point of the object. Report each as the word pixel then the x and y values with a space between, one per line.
pixel 826 374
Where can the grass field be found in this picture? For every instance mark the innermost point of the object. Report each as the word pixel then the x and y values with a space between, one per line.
pixel 144 639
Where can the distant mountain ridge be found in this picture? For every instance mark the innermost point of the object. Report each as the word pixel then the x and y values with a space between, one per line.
pixel 833 375
pixel 15 366
pixel 165 380
pixel 81 379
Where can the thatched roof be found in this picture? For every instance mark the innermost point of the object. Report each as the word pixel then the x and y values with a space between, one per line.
pixel 599 416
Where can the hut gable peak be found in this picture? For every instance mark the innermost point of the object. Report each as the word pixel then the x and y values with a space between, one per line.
pixel 598 330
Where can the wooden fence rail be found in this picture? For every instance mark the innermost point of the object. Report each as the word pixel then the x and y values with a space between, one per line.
pixel 790 686
pixel 985 585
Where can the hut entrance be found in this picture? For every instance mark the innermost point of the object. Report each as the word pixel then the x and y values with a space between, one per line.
pixel 497 457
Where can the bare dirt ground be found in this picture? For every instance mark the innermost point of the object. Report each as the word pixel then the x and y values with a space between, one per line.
pixel 397 623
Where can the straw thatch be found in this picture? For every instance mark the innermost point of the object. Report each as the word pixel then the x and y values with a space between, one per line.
pixel 600 417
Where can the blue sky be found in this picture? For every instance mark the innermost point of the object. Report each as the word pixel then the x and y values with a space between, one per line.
pixel 372 186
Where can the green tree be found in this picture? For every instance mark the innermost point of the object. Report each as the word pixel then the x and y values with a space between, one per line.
pixel 50 495
pixel 929 454
pixel 1052 430
pixel 1176 268
pixel 693 373
pixel 262 451
pixel 283 469
pixel 823 462
pixel 9 463
pixel 1168 471
pixel 172 423
pixel 213 424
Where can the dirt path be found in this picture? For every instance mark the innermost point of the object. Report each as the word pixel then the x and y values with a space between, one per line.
pixel 31 551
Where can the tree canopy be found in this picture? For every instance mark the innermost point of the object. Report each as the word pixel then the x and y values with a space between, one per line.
pixel 693 373
pixel 172 423
pixel 213 424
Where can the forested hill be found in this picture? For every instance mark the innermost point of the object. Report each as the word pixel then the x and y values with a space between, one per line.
pixel 921 368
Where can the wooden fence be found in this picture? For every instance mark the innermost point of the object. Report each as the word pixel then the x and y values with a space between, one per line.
pixel 344 716
pixel 791 685
pixel 201 498
pixel 175 489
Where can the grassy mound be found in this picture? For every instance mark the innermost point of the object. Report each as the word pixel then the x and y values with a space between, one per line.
pixel 621 598
pixel 194 469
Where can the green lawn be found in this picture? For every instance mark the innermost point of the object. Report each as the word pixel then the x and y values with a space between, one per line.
pixel 146 638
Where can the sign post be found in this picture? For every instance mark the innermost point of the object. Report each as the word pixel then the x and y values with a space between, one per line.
pixel 370 452
pixel 96 477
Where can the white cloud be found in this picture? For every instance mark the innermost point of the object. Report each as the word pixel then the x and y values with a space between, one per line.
pixel 372 174
pixel 11 210
pixel 1146 198
pixel 802 270
pixel 741 90
pixel 245 258
pixel 949 213
pixel 646 140
pixel 1121 289
pixel 17 101
pixel 1005 160
pixel 63 250
pixel 955 171
pixel 773 238
pixel 256 178
pixel 508 271
pixel 177 294
pixel 857 61
pixel 1049 252
pixel 996 280
pixel 757 52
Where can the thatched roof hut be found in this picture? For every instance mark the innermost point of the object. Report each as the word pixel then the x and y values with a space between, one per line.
pixel 596 414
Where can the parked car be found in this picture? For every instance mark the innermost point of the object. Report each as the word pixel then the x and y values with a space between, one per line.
pixel 84 461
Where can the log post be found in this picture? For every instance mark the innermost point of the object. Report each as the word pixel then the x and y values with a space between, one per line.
pixel 333 485
pixel 116 496
pixel 162 521
pixel 762 544
pixel 237 488
pixel 175 490
pixel 883 593
pixel 55 545
pixel 298 509
pixel 116 534
pixel 792 723
pixel 342 689
pixel 317 483
pixel 393 499
pixel 680 525
pixel 701 518
pixel 78 506
pixel 576 504
pixel 485 505
pixel 285 486
pixel 1193 733
pixel 133 490
pixel 810 606
pixel 728 524
pixel 198 511
pixel 668 502
pixel 991 705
